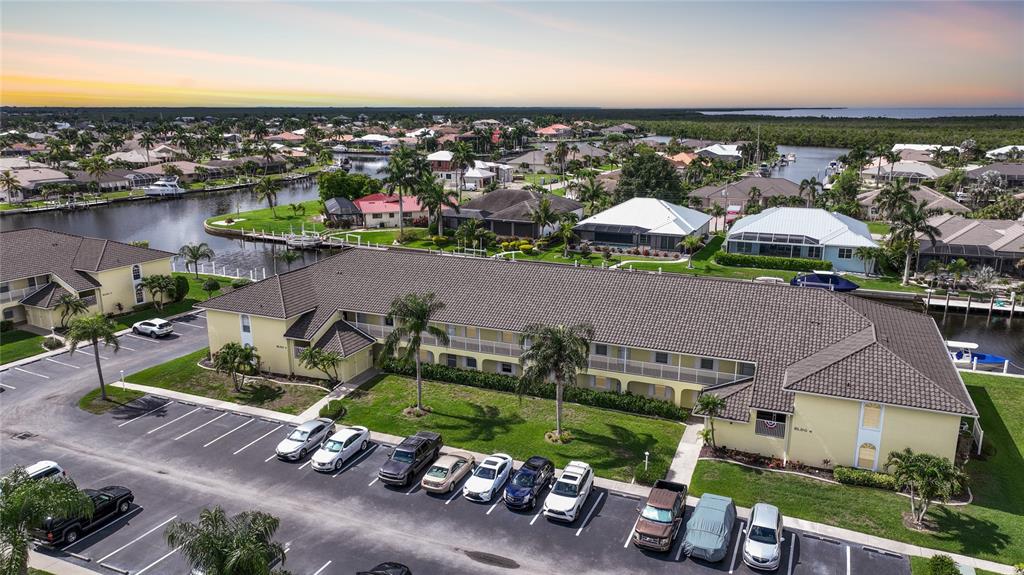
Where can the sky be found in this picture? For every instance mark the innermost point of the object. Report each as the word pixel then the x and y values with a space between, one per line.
pixel 607 54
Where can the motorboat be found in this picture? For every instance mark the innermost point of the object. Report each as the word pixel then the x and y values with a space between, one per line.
pixel 166 186
pixel 303 241
pixel 791 157
pixel 341 149
pixel 824 280
pixel 764 170
pixel 966 354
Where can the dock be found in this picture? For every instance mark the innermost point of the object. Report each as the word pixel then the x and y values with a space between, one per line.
pixel 1011 305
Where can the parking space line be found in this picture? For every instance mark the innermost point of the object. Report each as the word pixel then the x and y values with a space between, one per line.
pixel 7 386
pixel 412 487
pixel 251 443
pixel 375 480
pixel 321 570
pixel 187 325
pixel 354 461
pixel 51 360
pixel 792 549
pixel 128 515
pixel 200 427
pixel 736 550
pixel 847 560
pixel 308 461
pixel 133 336
pixel 269 458
pixel 493 506
pixel 153 564
pixel 145 414
pixel 539 513
pixel 211 442
pixel 136 540
pixel 455 493
pixel 32 373
pixel 172 421
pixel 592 509
pixel 629 536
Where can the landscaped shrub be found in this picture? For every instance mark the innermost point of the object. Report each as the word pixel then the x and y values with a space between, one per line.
pixel 627 401
pixel 52 343
pixel 771 262
pixel 655 470
pixel 864 477
pixel 439 240
pixel 942 565
pixel 143 306
pixel 181 288
pixel 6 325
pixel 240 283
pixel 334 409
pixel 526 248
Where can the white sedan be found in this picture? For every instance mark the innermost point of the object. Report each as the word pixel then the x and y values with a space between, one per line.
pixel 488 478
pixel 344 444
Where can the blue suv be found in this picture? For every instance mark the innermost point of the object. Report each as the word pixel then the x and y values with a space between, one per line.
pixel 527 483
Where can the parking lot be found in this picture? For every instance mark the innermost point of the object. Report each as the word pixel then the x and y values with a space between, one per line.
pixel 372 522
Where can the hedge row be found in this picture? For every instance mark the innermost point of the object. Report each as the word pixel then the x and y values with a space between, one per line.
pixel 628 402
pixel 771 262
pixel 864 477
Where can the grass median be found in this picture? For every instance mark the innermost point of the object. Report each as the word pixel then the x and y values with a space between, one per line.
pixel 183 374
pixel 116 397
pixel 991 527
pixel 16 344
pixel 485 421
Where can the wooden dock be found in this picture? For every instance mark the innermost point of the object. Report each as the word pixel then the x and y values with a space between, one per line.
pixel 1011 305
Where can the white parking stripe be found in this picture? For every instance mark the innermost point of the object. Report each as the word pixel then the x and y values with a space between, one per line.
pixel 629 536
pixel 455 493
pixel 352 462
pixel 736 550
pixel 189 325
pixel 412 487
pixel 308 461
pixel 32 373
pixel 792 549
pixel 145 414
pixel 847 560
pixel 7 386
pixel 493 506
pixel 251 443
pixel 128 515
pixel 136 540
pixel 211 442
pixel 172 421
pixel 539 513
pixel 269 458
pixel 321 570
pixel 133 336
pixel 592 509
pixel 375 480
pixel 153 564
pixel 200 427
pixel 50 359
pixel 120 347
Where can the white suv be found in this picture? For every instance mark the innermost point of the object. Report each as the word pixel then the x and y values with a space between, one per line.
pixel 570 492
pixel 44 469
pixel 153 327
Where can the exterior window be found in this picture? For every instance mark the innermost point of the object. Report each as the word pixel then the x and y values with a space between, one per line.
pixel 866 456
pixel 600 349
pixel 845 253
pixel 136 273
pixel 140 296
pixel 872 418
pixel 506 368
pixel 31 282
pixel 814 252
pixel 9 313
pixel 770 424
pixel 745 368
pixel 362 318
pixel 4 288
pixel 246 324
pixel 471 362
pixel 389 321
pixel 707 363
pixel 378 216
pixel 452 360
pixel 660 357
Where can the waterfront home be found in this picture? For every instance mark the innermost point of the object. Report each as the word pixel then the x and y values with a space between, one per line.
pixel 995 243
pixel 536 160
pixel 481 174
pixel 30 180
pixel 381 210
pixel 802 233
pixel 915 150
pixel 742 193
pixel 343 212
pixel 510 212
pixel 620 129
pixel 554 131
pixel 683 159
pixel 644 223
pixel 724 152
pixel 191 171
pixel 134 158
pixel 1011 174
pixel 808 375
pixel 933 201
pixel 38 266
pixel 286 137
pixel 1014 152
pixel 912 172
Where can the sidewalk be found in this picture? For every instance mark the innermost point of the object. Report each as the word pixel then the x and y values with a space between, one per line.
pixel 685 459
pixel 55 565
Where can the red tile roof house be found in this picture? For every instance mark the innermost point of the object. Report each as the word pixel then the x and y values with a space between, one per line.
pixel 381 210
pixel 554 131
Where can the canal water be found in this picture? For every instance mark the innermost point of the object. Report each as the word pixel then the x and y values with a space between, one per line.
pixel 810 162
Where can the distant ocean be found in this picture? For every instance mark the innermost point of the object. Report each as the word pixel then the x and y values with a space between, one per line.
pixel 872 112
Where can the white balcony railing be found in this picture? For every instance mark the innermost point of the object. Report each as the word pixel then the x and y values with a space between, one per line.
pixel 770 428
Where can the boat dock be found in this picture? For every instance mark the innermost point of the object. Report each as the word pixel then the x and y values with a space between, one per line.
pixel 306 239
pixel 1012 305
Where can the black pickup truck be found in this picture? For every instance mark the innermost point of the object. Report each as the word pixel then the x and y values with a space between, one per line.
pixel 410 457
pixel 108 503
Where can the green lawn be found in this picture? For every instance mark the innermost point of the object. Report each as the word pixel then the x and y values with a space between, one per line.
pixel 919 566
pixel 195 295
pixel 879 228
pixel 116 397
pixel 182 374
pixel 541 179
pixel 992 527
pixel 286 220
pixel 489 421
pixel 16 344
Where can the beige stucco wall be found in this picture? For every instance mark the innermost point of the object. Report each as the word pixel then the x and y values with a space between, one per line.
pixel 741 436
pixel 267 334
pixel 117 285
pixel 922 431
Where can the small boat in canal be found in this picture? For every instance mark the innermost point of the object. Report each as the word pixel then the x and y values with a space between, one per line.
pixel 966 354
pixel 824 280
pixel 165 187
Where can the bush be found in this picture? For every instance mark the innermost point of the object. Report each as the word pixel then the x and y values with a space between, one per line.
pixel 526 248
pixel 864 477
pixel 942 565
pixel 240 283
pixel 439 240
pixel 628 402
pixel 335 409
pixel 524 244
pixel 51 343
pixel 655 470
pixel 181 287
pixel 771 262
pixel 143 306
pixel 6 325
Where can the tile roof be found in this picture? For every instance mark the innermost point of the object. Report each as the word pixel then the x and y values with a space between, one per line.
pixel 776 327
pixel 45 297
pixel 975 237
pixel 512 205
pixel 936 200
pixel 343 339
pixel 769 187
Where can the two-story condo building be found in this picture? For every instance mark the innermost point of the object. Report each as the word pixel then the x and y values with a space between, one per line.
pixel 807 375
pixel 38 266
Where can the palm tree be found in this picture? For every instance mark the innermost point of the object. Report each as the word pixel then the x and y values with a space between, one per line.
pixel 892 156
pixel 913 220
pixel 267 152
pixel 236 359
pixel 710 406
pixel 810 186
pixel 690 244
pixel 559 154
pixel 194 253
pixel 411 315
pixel 93 329
pixel 894 198
pixel 590 191
pixel 435 197
pixel 398 179
pixel 10 185
pixel 97 167
pixel 222 545
pixel 716 211
pixel 147 140
pixel 321 360
pixel 866 254
pixel 462 160
pixel 957 268
pixel 933 268
pixel 754 196
pixel 266 189
pixel 325 156
pixel 543 215
pixel 566 232
pixel 25 503
pixel 159 286
pixel 554 352
pixel 927 477
pixel 70 305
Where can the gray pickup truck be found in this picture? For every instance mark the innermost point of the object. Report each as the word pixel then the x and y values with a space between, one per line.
pixel 411 456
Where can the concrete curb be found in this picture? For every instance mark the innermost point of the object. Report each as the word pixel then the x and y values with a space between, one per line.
pixel 55 565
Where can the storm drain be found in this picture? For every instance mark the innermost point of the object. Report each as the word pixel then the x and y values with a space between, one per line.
pixel 492 559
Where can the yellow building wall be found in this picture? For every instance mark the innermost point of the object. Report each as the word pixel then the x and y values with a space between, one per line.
pixel 43 318
pixel 117 287
pixel 922 431
pixel 824 428
pixel 741 436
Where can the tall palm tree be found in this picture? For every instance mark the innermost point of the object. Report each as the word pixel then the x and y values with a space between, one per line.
pixel 543 215
pixel 411 315
pixel 10 185
pixel 559 154
pixel 892 156
pixel 220 545
pixel 907 225
pixel 690 244
pixel 866 254
pixel 97 167
pixel 566 233
pixel 754 196
pixel 399 177
pixel 25 503
pixel 70 305
pixel 810 186
pixel 462 160
pixel 895 196
pixel 147 140
pixel 266 189
pixel 554 352
pixel 194 253
pixel 716 211
pixel 710 406
pixel 93 329
pixel 590 191
pixel 435 197
pixel 267 153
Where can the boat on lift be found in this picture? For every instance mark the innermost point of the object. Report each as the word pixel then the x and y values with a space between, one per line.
pixel 824 280
pixel 965 354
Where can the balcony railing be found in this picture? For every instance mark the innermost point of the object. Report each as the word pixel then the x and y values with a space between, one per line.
pixel 16 294
pixel 770 428
pixel 625 366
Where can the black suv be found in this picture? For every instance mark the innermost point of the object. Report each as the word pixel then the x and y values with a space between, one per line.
pixel 108 503
pixel 410 457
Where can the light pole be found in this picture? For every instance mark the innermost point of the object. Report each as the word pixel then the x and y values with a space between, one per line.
pixel 647 455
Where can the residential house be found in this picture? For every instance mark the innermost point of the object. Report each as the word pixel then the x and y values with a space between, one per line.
pixel 912 172
pixel 644 223
pixel 1014 152
pixel 995 243
pixel 343 211
pixel 933 201
pixel 30 180
pixel 24 149
pixel 554 131
pixel 724 152
pixel 807 375
pixel 38 266
pixel 111 181
pixel 287 137
pixel 1011 175
pixel 191 171
pixel 510 212
pixel 739 193
pixel 534 160
pixel 481 174
pixel 381 210
pixel 625 129
pixel 134 158
pixel 802 233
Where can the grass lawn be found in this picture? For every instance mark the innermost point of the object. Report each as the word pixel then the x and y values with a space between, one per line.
pixel 489 421
pixel 415 237
pixel 919 566
pixel 263 219
pixel 34 571
pixel 885 283
pixel 541 179
pixel 879 228
pixel 195 295
pixel 116 397
pixel 16 344
pixel 182 374
pixel 992 527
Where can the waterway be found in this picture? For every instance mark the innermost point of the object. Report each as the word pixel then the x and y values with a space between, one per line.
pixel 810 162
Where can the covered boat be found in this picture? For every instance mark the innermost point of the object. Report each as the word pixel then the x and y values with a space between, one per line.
pixel 824 280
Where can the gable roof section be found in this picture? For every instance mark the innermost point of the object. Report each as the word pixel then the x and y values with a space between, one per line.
pixel 648 215
pixel 343 339
pixel 45 297
pixel 829 228
pixel 511 205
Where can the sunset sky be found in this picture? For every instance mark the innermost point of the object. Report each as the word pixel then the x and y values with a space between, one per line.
pixel 612 54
